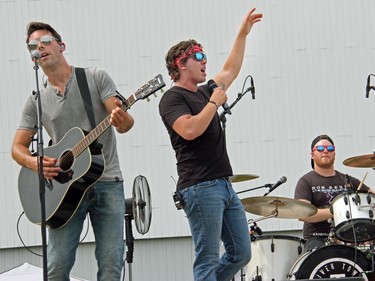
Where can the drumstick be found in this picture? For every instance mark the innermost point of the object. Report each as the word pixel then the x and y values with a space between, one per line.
pixel 361 183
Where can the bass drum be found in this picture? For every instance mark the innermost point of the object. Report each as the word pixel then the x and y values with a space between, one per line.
pixel 333 261
pixel 272 256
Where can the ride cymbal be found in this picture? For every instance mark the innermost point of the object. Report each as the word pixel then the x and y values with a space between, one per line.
pixel 280 207
pixel 362 161
pixel 242 177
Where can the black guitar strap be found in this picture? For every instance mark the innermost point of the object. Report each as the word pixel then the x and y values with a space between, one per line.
pixel 86 97
pixel 85 94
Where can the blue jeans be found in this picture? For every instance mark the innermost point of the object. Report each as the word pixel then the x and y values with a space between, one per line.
pixel 215 213
pixel 106 205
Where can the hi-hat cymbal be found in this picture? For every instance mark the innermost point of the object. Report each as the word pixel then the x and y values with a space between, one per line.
pixel 280 207
pixel 242 177
pixel 362 161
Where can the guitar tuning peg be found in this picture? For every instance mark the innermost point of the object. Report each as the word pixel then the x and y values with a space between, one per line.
pixel 148 99
pixel 162 91
pixel 155 95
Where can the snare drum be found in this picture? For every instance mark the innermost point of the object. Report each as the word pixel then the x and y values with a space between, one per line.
pixel 333 261
pixel 273 255
pixel 354 211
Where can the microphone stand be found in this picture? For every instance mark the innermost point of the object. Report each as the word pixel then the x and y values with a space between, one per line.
pixel 222 117
pixel 42 187
pixel 268 185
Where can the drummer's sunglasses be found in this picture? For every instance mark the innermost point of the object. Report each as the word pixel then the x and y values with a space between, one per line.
pixel 321 148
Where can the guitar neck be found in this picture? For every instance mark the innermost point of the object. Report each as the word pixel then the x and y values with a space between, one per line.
pixel 99 130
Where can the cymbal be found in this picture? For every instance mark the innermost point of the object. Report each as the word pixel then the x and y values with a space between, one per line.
pixel 362 161
pixel 242 177
pixel 280 207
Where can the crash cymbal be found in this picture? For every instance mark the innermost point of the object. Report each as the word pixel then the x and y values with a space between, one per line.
pixel 280 207
pixel 362 161
pixel 242 177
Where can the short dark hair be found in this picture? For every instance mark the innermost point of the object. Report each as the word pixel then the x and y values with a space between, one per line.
pixel 175 52
pixel 33 26
pixel 316 140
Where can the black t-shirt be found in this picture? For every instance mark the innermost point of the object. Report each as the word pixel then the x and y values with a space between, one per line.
pixel 201 159
pixel 321 191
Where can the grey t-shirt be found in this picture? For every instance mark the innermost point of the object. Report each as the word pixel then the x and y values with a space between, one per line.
pixel 321 191
pixel 61 112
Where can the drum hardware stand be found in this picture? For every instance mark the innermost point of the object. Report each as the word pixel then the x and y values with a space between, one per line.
pixel 40 154
pixel 242 275
pixel 254 228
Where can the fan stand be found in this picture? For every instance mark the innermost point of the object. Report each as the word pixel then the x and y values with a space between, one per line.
pixel 138 208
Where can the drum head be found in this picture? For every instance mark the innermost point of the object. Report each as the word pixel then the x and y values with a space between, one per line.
pixel 364 230
pixel 334 261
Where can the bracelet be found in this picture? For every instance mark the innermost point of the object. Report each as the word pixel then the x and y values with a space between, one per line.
pixel 211 101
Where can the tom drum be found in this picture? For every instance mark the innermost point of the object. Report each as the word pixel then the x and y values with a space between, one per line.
pixel 354 211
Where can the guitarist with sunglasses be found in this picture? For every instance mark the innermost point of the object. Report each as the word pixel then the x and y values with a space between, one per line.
pixel 102 186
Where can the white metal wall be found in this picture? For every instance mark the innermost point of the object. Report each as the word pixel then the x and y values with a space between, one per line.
pixel 309 59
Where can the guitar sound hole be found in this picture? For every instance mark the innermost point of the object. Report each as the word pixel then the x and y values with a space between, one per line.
pixel 66 160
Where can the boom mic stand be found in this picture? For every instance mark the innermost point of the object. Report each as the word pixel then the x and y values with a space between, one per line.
pixel 223 120
pixel 42 187
pixel 222 117
pixel 268 185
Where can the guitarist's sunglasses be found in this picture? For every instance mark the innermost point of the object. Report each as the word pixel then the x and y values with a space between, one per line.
pixel 45 40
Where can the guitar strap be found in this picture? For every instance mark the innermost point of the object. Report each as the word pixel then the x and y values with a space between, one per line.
pixel 85 94
pixel 86 97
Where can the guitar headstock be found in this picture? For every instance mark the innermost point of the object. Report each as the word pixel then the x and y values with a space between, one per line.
pixel 150 87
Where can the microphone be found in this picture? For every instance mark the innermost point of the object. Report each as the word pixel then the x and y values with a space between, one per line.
pixel 212 85
pixel 368 88
pixel 35 55
pixel 277 184
pixel 252 88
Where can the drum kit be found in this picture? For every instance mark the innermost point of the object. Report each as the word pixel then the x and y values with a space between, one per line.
pixel 350 254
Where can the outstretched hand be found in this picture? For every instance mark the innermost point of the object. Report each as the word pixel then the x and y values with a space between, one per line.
pixel 250 20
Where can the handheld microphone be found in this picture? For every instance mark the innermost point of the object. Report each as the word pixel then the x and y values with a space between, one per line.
pixel 277 184
pixel 252 88
pixel 35 55
pixel 212 86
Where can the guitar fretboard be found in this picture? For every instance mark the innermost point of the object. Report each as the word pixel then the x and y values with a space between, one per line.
pixel 99 130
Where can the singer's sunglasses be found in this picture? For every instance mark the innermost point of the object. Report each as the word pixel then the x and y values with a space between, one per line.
pixel 45 40
pixel 198 56
pixel 320 148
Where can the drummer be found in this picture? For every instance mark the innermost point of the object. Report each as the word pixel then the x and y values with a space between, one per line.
pixel 319 187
